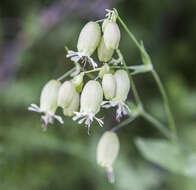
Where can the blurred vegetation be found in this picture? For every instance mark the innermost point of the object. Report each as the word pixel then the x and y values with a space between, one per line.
pixel 32 39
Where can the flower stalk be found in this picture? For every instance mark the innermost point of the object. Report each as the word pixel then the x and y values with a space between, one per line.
pixel 146 60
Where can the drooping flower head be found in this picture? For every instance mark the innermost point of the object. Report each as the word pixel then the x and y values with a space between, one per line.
pixel 109 86
pixel 88 41
pixel 48 103
pixel 122 87
pixel 73 107
pixel 66 94
pixel 90 104
pixel 111 35
pixel 104 53
pixel 107 152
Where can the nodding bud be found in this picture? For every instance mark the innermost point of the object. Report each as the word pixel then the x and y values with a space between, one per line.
pixel 89 38
pixel 104 69
pixel 91 97
pixel 78 82
pixel 73 107
pixel 107 152
pixel 109 86
pixel 122 85
pixel 111 35
pixel 49 95
pixel 66 94
pixel 104 53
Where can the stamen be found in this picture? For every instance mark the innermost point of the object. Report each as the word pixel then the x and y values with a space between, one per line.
pixel 110 175
pixel 47 117
pixel 76 56
pixel 88 118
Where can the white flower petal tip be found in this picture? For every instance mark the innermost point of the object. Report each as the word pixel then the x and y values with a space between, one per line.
pixel 77 56
pixel 35 108
pixel 121 111
pixel 88 118
pixel 47 118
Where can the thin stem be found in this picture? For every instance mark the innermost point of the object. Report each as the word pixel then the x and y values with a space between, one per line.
pixel 156 124
pixel 93 70
pixel 166 103
pixel 156 77
pixel 136 95
pixel 66 74
pixel 123 124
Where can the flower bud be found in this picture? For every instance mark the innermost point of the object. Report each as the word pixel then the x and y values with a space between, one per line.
pixel 89 38
pixel 91 97
pixel 111 35
pixel 122 85
pixel 73 107
pixel 49 95
pixel 109 86
pixel 78 82
pixel 104 69
pixel 66 94
pixel 107 149
pixel 104 53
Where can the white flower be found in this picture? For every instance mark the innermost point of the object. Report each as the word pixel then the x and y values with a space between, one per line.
pixel 48 103
pixel 90 103
pixel 107 152
pixel 122 85
pixel 88 41
pixel 104 54
pixel 121 93
pixel 109 86
pixel 89 38
pixel 66 94
pixel 73 107
pixel 122 108
pixel 111 35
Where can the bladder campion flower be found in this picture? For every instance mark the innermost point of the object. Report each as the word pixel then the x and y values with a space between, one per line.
pixel 121 93
pixel 104 53
pixel 111 35
pixel 88 41
pixel 109 86
pixel 48 103
pixel 90 104
pixel 66 94
pixel 107 152
pixel 73 107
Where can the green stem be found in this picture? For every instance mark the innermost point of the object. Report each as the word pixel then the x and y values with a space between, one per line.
pixel 93 70
pixel 136 95
pixel 157 79
pixel 123 124
pixel 66 74
pixel 166 103
pixel 156 124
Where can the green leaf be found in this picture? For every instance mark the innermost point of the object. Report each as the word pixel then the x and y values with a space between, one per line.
pixel 163 153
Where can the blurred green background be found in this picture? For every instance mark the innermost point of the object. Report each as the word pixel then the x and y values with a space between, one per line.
pixel 32 39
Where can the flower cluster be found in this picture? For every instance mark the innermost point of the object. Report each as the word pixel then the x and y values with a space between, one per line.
pixel 82 99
